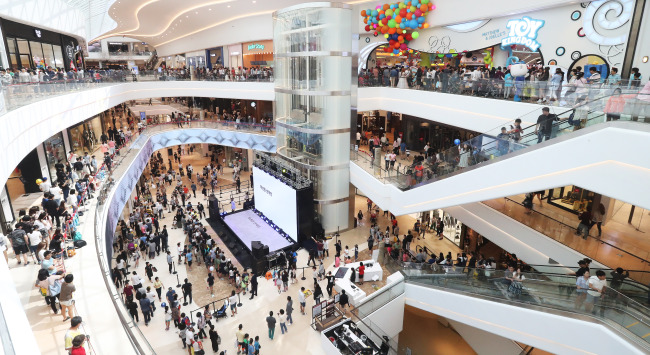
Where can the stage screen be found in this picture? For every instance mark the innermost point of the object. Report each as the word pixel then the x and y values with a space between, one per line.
pixel 276 201
pixel 249 227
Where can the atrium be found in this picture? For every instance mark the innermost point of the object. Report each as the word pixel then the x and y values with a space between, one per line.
pixel 407 177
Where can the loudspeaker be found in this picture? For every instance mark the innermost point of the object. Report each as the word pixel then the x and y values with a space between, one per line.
pixel 260 266
pixel 260 251
pixel 213 207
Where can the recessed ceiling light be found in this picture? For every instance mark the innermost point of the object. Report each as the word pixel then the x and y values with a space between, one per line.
pixel 228 5
pixel 210 9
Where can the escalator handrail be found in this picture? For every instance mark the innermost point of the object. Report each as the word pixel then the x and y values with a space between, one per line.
pixel 542 294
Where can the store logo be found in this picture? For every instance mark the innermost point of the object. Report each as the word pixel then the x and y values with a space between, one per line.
pixel 255 46
pixel 523 32
pixel 37 33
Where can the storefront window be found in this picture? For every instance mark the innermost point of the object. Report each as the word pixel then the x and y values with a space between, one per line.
pixel 58 56
pixel 85 136
pixel 571 198
pixel 54 152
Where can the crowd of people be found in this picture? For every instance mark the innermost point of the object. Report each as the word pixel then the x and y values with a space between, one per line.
pixel 539 84
pixel 220 73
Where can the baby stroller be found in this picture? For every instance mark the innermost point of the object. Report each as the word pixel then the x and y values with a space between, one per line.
pixel 221 312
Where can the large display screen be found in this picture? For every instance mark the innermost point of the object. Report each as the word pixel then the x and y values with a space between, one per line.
pixel 276 201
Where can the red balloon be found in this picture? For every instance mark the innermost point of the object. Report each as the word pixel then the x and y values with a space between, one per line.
pixel 367 28
pixel 403 46
pixel 402 12
pixel 408 37
pixel 384 21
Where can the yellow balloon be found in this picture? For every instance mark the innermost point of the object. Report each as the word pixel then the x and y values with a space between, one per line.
pixel 39 181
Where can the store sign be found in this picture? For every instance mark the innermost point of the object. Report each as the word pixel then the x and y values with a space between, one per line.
pixel 255 46
pixel 38 33
pixel 523 32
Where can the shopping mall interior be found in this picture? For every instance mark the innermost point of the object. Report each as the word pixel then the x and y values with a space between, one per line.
pixel 330 178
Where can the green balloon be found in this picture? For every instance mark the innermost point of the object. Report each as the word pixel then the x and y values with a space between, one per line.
pixel 415 35
pixel 392 23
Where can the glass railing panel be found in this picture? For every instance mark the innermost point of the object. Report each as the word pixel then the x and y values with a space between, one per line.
pixel 535 289
pixel 21 94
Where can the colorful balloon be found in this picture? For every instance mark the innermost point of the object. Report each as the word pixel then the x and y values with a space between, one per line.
pixel 415 35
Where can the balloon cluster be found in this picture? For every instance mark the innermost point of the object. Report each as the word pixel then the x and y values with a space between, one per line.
pixel 398 22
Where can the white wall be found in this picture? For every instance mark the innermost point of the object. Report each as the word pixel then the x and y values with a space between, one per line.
pixel 643 45
pixel 53 15
pixel 485 343
pixel 550 332
pixel 593 158
pixel 469 112
pixel 248 29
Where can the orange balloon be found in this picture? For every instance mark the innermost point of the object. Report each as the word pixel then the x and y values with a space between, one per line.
pixel 391 31
pixel 425 25
pixel 386 6
pixel 363 13
pixel 424 7
pixel 398 19
pixel 430 6
pixel 409 15
pixel 381 12
pixel 396 45
pixel 400 38
pixel 384 29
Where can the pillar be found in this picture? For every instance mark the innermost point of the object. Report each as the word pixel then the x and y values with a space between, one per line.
pixel 315 99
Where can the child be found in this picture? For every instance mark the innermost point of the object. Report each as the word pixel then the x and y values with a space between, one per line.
pixel 278 282
pixel 356 252
pixel 77 345
pixel 257 345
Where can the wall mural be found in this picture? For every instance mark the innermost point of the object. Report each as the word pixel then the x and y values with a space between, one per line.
pixel 597 29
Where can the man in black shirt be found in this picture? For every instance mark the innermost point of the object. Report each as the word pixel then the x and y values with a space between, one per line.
pixel 330 283
pixel 253 285
pixel 544 125
pixel 187 291
pixel 343 301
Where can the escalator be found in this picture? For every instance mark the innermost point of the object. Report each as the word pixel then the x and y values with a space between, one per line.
pixel 584 149
pixel 544 312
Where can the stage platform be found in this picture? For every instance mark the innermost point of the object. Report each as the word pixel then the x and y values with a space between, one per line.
pixel 248 226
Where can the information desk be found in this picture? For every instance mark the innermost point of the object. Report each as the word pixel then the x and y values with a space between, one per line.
pixel 373 271
pixel 355 294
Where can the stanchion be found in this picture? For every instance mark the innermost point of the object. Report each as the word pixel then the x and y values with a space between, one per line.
pixel 239 304
pixel 174 265
pixel 303 274
pixel 179 281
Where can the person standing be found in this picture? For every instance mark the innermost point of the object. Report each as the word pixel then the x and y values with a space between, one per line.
pixel 330 283
pixel 343 301
pixel 170 261
pixel 19 242
pixel 282 319
pixel 240 338
pixel 71 333
pixel 270 321
pixel 214 338
pixel 187 292
pixel 301 300
pixel 544 125
pixel 65 297
pixel 253 285
pixel 145 307
pixel 289 309
pixel 210 282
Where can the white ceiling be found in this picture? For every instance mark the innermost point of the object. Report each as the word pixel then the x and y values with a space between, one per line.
pixel 159 22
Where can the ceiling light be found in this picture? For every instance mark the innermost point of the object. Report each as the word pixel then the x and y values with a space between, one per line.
pixel 228 5
pixel 210 9
pixel 645 59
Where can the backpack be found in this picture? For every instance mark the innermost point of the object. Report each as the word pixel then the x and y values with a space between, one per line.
pixel 79 243
pixel 77 236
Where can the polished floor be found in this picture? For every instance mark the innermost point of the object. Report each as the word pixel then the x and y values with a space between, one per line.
pixel 615 231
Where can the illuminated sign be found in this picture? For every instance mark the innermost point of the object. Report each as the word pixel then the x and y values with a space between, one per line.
pixel 38 33
pixel 255 46
pixel 523 32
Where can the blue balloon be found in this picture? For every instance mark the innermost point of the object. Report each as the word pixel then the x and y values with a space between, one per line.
pixel 402 25
pixel 382 16
pixel 456 141
pixel 395 51
pixel 421 19
pixel 368 12
pixel 374 13
pixel 413 24
pixel 163 304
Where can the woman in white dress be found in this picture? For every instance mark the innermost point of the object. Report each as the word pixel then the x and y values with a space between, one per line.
pixel 402 84
pixel 464 156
